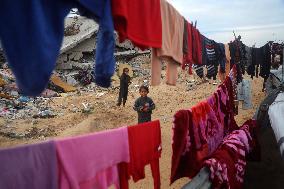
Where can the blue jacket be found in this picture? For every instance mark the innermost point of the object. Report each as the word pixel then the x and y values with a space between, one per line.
pixel 31 32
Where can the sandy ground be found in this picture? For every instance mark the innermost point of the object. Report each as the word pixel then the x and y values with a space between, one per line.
pixel 106 115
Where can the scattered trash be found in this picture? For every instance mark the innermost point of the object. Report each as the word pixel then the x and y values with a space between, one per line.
pixel 2 82
pixel 191 85
pixel 60 85
pixel 45 114
pixel 14 93
pixel 85 77
pixel 47 93
pixel 98 95
pixel 24 99
pixel 87 108
pixel 71 81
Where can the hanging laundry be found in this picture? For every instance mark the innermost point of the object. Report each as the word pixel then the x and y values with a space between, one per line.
pixel 261 57
pixel 144 30
pixel 172 45
pixel 266 63
pixel 145 148
pixel 91 161
pixel 199 69
pixel 196 46
pixel 221 56
pixel 228 59
pixel 187 47
pixel 238 57
pixel 192 53
pixel 244 94
pixel 198 132
pixel 29 167
pixel 257 59
pixel 228 163
pixel 276 50
pixel 32 39
pixel 276 112
pixel 224 62
pixel 234 54
pixel 249 58
pixel 186 38
pixel 213 55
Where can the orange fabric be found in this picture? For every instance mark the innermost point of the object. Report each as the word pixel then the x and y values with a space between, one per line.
pixel 172 72
pixel 222 76
pixel 172 32
pixel 156 69
pixel 228 59
pixel 172 42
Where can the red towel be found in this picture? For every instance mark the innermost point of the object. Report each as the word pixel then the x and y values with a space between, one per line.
pixel 138 20
pixel 144 148
pixel 187 57
pixel 196 47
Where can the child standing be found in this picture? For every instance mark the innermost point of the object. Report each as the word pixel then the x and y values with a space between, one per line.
pixel 144 105
pixel 124 83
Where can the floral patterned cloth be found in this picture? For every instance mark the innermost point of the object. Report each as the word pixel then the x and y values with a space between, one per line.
pixel 228 162
pixel 200 130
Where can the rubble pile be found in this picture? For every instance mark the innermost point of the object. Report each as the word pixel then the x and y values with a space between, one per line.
pixel 73 77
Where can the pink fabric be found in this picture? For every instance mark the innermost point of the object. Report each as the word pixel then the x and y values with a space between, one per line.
pixel 227 164
pixel 172 44
pixel 90 161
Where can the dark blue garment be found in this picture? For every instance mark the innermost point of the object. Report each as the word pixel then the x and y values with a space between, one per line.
pixel 31 32
pixel 29 167
pixel 221 56
pixel 100 11
pixel 210 50
pixel 204 53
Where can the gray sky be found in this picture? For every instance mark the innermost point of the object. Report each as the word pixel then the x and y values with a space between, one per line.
pixel 257 21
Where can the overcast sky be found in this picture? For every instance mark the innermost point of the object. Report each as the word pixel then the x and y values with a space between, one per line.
pixel 257 21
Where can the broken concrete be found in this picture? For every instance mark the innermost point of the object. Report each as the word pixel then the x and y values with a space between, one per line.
pixel 87 29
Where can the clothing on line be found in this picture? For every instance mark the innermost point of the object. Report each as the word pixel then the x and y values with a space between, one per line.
pixel 92 160
pixel 144 31
pixel 29 167
pixel 198 132
pixel 172 44
pixel 35 32
pixel 145 148
pixel 193 41
pixel 228 163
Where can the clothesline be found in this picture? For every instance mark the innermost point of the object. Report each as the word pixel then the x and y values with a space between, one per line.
pixel 202 179
pixel 160 27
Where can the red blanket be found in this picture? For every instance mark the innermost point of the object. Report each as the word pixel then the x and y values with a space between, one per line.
pixel 138 20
